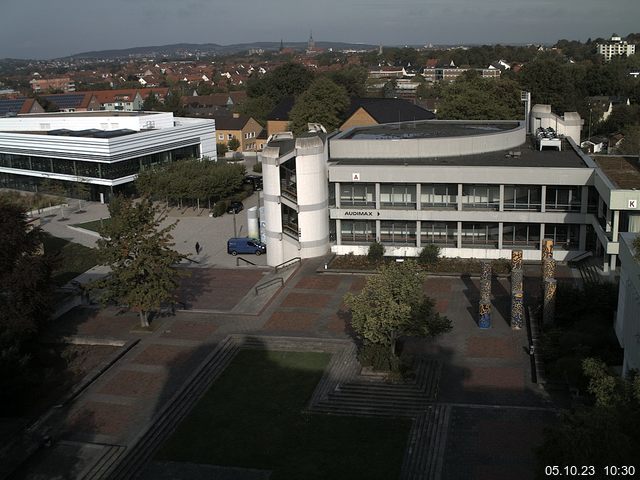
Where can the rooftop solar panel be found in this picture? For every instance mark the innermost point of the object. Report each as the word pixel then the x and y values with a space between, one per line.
pixel 11 105
pixel 66 101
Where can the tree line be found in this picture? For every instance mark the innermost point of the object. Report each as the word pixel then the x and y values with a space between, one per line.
pixel 198 183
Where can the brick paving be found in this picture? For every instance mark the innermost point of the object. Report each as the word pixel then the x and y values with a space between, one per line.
pixel 488 367
pixel 134 384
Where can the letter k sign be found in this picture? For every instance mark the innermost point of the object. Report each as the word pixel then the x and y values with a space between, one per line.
pixel 633 204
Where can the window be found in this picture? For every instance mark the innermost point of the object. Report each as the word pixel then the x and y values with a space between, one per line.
pixel 398 196
pixel 522 197
pixel 221 136
pixel 439 195
pixel 563 235
pixel 521 235
pixel 479 235
pixel 484 197
pixel 444 234
pixel 357 232
pixel 398 232
pixel 357 195
pixel 564 199
pixel 229 136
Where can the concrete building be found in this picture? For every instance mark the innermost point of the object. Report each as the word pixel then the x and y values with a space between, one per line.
pixel 105 150
pixel 477 189
pixel 627 323
pixel 615 47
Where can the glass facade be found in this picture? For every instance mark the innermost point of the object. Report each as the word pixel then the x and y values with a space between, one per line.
pixel 523 197
pixel 398 195
pixel 358 195
pixel 443 195
pixel 563 199
pixel 443 234
pixel 481 197
pixel 521 235
pixel 290 222
pixel 479 235
pixel 288 181
pixel 398 233
pixel 105 170
pixel 563 235
pixel 357 232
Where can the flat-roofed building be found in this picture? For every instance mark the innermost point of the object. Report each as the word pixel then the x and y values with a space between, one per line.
pixel 476 189
pixel 105 150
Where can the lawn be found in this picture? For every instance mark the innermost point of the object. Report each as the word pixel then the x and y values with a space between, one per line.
pixel 74 258
pixel 253 417
pixel 94 225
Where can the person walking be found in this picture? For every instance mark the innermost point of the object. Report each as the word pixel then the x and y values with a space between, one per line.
pixel 197 248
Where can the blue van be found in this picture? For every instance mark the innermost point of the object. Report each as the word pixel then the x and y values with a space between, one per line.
pixel 245 245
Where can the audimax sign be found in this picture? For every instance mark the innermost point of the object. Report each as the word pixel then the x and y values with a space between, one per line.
pixel 361 213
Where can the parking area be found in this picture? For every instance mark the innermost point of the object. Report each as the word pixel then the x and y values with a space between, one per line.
pixel 194 226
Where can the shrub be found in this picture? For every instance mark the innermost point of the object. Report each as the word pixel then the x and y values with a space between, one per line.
pixel 257 167
pixel 376 252
pixel 220 208
pixel 429 255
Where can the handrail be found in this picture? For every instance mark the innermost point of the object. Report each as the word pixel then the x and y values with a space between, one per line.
pixel 244 260
pixel 268 283
pixel 288 263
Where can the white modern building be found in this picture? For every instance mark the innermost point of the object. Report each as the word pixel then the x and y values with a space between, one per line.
pixel 615 47
pixel 103 149
pixel 627 324
pixel 476 189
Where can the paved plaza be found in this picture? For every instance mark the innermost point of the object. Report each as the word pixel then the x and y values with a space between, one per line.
pixel 491 412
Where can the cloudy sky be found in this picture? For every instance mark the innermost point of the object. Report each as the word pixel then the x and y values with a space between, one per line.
pixel 55 28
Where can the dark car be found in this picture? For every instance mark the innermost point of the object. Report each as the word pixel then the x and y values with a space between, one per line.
pixel 235 207
pixel 254 180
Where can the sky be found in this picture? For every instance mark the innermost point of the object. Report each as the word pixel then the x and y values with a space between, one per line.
pixel 45 29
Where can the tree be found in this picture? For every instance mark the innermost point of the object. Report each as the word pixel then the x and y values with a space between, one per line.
pixel 233 144
pixel 221 149
pixel 323 102
pixel 631 143
pixel 139 252
pixel 257 108
pixel 25 300
pixel 151 103
pixel 606 433
pixel 429 254
pixel 471 97
pixel 353 78
pixel 376 252
pixel 392 304
pixel 286 80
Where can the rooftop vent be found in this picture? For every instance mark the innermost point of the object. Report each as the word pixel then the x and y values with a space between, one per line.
pixel 548 138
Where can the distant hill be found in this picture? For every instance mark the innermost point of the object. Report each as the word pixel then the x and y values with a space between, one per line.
pixel 186 49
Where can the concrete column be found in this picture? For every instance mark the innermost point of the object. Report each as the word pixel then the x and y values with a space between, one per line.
pixel 542 234
pixel 608 221
pixel 500 230
pixel 377 195
pixel 582 238
pixel 418 236
pixel 584 200
pixel 338 231
pixel 501 203
pixel 459 197
pixel 543 200
pixel 377 230
pixel 614 259
pixel 459 235
pixel 418 194
pixel 337 188
pixel 616 225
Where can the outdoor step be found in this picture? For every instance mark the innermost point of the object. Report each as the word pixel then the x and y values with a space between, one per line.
pixel 101 468
pixel 176 409
pixel 366 411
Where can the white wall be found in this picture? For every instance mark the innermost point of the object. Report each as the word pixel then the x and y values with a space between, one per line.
pixel 627 322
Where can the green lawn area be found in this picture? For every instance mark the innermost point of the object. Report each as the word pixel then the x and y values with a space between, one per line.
pixel 74 258
pixel 253 417
pixel 94 225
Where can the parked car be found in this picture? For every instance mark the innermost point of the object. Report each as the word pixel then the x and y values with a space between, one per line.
pixel 254 180
pixel 235 207
pixel 245 245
